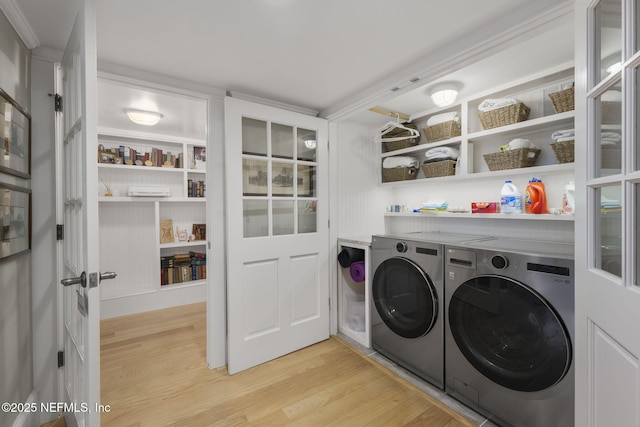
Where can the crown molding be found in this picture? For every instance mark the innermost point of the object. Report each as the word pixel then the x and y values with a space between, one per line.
pixel 20 24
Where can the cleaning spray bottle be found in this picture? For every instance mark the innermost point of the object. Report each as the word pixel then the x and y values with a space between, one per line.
pixel 535 198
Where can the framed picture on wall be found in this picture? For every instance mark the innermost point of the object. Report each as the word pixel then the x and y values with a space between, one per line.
pixel 15 138
pixel 15 220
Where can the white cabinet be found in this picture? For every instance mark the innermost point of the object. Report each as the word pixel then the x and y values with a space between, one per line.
pixel 474 141
pixel 353 296
pixel 152 212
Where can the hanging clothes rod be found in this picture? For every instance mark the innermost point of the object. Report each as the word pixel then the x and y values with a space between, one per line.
pixel 398 116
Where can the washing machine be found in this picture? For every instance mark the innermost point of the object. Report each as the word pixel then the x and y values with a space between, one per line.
pixel 407 324
pixel 510 330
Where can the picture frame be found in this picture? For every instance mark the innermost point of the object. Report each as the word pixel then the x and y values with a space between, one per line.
pixel 15 221
pixel 200 157
pixel 15 139
pixel 166 231
pixel 199 231
pixel 254 177
pixel 306 181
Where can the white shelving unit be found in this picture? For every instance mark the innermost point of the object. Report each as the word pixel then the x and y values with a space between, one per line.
pixel 353 297
pixel 130 241
pixel 474 141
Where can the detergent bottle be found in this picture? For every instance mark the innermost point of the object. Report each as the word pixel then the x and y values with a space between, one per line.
pixel 535 198
pixel 569 198
pixel 510 198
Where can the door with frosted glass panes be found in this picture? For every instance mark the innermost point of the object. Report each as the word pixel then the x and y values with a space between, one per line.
pixel 276 166
pixel 607 215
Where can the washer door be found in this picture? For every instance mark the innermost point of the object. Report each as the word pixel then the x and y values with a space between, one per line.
pixel 405 297
pixel 509 333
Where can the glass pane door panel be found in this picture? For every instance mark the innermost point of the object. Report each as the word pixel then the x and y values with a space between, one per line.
pixel 283 178
pixel 283 217
pixel 254 177
pixel 609 138
pixel 609 33
pixel 307 219
pixel 255 218
pixel 306 181
pixel 609 225
pixel 254 137
pixel 281 141
pixel 306 144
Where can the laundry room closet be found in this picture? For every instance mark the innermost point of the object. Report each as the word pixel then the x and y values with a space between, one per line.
pixel 368 203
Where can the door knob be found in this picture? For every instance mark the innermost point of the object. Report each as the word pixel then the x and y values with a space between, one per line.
pixel 82 280
pixel 108 275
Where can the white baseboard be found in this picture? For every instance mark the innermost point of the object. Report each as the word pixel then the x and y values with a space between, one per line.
pixel 28 419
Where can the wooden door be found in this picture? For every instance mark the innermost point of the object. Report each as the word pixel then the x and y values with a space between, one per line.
pixel 78 171
pixel 276 166
pixel 607 216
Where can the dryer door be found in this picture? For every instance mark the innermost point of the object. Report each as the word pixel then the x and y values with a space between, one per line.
pixel 405 297
pixel 509 333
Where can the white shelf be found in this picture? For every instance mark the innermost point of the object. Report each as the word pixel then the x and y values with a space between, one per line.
pixel 526 217
pixel 128 199
pixel 188 244
pixel 143 169
pixel 560 119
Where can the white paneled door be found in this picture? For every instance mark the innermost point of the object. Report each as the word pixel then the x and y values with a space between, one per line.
pixel 276 165
pixel 608 214
pixel 78 172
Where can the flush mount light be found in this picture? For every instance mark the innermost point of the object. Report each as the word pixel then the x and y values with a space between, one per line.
pixel 310 143
pixel 143 117
pixel 444 94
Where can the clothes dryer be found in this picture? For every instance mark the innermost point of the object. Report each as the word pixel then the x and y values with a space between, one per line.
pixel 407 324
pixel 510 330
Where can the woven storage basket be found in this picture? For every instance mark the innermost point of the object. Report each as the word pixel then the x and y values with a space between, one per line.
pixel 504 116
pixel 397 133
pixel 611 112
pixel 564 151
pixel 399 145
pixel 442 131
pixel 443 168
pixel 611 158
pixel 511 159
pixel 399 174
pixel 563 100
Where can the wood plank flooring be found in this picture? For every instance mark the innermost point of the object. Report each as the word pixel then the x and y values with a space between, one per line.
pixel 154 374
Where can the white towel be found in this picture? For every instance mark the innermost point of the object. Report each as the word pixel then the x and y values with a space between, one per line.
pixel 400 162
pixel 564 135
pixel 493 103
pixel 441 118
pixel 442 153
pixel 610 138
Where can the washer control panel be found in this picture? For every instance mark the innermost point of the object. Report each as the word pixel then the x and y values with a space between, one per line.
pixel 402 247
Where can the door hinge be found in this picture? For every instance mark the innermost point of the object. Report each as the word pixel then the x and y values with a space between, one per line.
pixel 60 359
pixel 59 231
pixel 58 103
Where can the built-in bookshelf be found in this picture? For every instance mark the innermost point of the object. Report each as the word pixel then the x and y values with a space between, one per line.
pixel 148 179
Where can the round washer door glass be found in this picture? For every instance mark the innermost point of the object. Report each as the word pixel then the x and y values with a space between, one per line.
pixel 509 333
pixel 405 297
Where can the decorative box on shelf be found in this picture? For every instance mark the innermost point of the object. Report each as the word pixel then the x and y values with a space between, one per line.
pixel 512 159
pixel 503 116
pixel 399 174
pixel 442 168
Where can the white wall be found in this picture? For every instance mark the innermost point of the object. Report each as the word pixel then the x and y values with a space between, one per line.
pixel 16 375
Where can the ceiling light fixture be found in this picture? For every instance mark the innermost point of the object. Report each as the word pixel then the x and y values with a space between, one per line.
pixel 310 143
pixel 143 117
pixel 444 94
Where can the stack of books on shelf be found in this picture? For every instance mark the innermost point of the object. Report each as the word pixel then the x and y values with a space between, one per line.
pixel 180 268
pixel 130 156
pixel 195 188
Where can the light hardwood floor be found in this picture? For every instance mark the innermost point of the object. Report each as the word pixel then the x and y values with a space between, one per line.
pixel 154 374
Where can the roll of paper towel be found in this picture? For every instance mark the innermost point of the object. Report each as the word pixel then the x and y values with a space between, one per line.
pixel 357 271
pixel 348 256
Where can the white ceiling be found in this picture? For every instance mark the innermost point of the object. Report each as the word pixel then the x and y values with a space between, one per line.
pixel 314 54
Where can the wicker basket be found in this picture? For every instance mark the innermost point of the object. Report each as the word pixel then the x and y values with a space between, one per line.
pixel 399 174
pixel 442 168
pixel 564 151
pixel 399 145
pixel 397 133
pixel 512 159
pixel 611 112
pixel 504 116
pixel 442 131
pixel 611 158
pixel 563 100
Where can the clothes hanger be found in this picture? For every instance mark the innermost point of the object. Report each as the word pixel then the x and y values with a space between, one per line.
pixel 389 126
